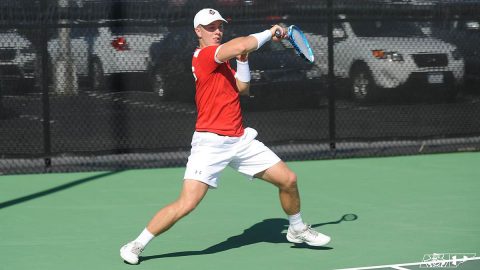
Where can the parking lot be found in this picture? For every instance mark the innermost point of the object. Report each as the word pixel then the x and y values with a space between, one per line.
pixel 131 120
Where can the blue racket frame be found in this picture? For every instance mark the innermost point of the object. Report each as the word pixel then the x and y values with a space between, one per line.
pixel 292 28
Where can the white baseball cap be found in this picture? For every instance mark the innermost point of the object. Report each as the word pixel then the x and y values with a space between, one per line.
pixel 206 16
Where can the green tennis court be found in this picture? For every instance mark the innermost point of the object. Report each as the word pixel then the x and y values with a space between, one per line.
pixel 406 209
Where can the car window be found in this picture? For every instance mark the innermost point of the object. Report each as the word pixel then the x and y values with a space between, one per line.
pixel 5 31
pixel 125 30
pixel 385 29
pixel 80 32
pixel 317 28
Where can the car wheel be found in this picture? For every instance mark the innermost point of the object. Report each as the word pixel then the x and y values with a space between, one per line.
pixel 363 86
pixel 97 76
pixel 158 83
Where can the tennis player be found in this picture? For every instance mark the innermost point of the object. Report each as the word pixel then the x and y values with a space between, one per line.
pixel 220 138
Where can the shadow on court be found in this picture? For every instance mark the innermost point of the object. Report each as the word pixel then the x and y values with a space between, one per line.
pixel 54 189
pixel 268 231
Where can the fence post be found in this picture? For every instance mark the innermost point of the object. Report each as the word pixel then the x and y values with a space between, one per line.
pixel 331 79
pixel 45 94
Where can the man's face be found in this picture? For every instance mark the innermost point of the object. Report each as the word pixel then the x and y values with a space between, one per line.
pixel 210 34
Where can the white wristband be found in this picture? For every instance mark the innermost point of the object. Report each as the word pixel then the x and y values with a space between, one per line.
pixel 243 72
pixel 262 37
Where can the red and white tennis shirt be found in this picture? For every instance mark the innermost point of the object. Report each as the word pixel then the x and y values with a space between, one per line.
pixel 216 96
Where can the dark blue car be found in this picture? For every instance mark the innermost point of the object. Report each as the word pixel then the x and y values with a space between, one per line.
pixel 280 78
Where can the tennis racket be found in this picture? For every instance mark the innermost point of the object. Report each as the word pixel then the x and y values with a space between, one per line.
pixel 299 42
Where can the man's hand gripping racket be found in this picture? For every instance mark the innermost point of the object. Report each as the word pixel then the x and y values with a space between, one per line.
pixel 298 40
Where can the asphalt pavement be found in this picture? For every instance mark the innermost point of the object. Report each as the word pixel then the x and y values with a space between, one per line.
pixel 127 122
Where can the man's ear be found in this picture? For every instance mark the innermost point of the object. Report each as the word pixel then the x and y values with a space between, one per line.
pixel 198 32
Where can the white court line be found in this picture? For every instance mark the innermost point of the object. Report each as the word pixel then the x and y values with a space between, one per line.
pixel 399 266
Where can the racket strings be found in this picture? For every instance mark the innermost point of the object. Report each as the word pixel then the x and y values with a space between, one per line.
pixel 301 45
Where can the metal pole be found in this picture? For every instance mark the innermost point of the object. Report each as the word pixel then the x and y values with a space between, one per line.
pixel 65 75
pixel 45 95
pixel 331 79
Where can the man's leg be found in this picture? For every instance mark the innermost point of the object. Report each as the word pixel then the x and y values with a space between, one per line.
pixel 191 195
pixel 286 181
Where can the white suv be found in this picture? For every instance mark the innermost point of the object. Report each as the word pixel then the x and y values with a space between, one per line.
pixel 101 53
pixel 379 55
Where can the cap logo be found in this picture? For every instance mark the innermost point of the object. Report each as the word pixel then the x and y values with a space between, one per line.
pixel 211 12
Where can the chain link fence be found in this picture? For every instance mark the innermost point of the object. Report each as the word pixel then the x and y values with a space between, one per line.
pixel 107 85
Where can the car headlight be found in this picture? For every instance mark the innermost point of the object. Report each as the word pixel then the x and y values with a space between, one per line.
pixel 389 56
pixel 472 25
pixel 456 54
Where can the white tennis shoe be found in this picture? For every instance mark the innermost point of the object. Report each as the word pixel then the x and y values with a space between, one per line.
pixel 308 236
pixel 131 251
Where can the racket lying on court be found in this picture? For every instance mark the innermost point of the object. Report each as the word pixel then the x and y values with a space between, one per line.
pixel 299 42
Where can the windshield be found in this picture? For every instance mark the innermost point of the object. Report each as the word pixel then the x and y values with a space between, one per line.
pixel 386 29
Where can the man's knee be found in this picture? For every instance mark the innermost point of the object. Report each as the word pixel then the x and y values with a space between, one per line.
pixel 190 197
pixel 280 175
pixel 291 179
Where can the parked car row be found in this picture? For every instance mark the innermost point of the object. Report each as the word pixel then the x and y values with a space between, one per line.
pixel 94 55
pixel 370 57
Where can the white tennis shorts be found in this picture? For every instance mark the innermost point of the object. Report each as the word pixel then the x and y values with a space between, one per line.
pixel 211 153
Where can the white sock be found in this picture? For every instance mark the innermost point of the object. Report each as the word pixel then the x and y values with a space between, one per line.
pixel 145 237
pixel 296 222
